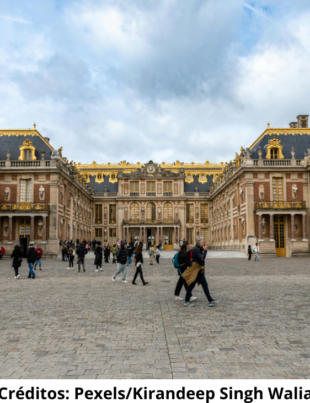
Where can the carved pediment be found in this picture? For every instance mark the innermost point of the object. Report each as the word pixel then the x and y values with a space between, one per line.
pixel 151 170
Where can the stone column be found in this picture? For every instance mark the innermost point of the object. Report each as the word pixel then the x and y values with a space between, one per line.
pixel 44 229
pixel 304 232
pixel 0 229
pixel 32 229
pixel 10 228
pixel 260 227
pixel 140 235
pixel 271 228
pixel 292 228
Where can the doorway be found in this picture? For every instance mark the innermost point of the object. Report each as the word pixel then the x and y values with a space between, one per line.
pixel 24 234
pixel 168 238
pixel 151 237
pixel 134 234
pixel 279 235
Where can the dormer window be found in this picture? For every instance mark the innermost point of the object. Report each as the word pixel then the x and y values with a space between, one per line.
pixel 274 150
pixel 274 154
pixel 27 151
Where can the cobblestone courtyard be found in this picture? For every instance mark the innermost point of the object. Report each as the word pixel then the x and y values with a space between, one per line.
pixel 67 324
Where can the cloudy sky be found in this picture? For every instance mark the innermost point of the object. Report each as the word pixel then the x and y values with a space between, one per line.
pixel 165 80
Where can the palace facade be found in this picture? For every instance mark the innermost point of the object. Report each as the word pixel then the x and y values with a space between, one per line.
pixel 262 195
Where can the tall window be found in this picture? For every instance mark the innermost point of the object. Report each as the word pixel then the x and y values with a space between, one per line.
pixel 204 213
pixel 98 213
pixel 151 212
pixel 112 236
pixel 189 213
pixel 98 234
pixel 25 190
pixel 189 235
pixel 112 213
pixel 150 187
pixel 205 233
pixel 168 212
pixel 134 211
pixel 167 187
pixel 274 153
pixel 134 187
pixel 277 189
pixel 27 155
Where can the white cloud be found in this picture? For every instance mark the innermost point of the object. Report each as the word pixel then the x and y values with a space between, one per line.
pixel 14 19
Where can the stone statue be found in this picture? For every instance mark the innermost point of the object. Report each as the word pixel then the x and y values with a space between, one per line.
pixel 41 193
pixel 294 191
pixel 7 193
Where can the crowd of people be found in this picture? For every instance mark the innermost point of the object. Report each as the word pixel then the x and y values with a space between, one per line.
pixel 189 262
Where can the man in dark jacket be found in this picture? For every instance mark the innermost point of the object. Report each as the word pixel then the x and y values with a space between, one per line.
pixel 121 258
pixel 94 244
pixel 81 252
pixel 31 258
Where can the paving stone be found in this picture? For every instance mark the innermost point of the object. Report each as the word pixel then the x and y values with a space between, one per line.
pixel 71 325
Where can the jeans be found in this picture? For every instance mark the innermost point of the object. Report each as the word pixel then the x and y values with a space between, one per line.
pixel 38 261
pixel 31 272
pixel 71 261
pixel 202 280
pixel 157 259
pixel 179 286
pixel 130 259
pixel 16 271
pixel 121 269
pixel 81 261
pixel 138 271
pixel 256 256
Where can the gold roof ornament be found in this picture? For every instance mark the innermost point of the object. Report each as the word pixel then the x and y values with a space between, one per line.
pixel 268 125
pixel 274 144
pixel 35 126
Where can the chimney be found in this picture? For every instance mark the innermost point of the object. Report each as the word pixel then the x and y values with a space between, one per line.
pixel 302 120
pixel 293 125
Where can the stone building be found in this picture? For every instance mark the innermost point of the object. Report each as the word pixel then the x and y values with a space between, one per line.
pixel 260 196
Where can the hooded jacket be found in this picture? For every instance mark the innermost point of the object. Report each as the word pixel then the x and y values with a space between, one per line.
pixel 31 254
pixel 121 255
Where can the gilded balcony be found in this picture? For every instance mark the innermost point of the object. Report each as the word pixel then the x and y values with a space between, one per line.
pixel 24 207
pixel 280 205
pixel 164 221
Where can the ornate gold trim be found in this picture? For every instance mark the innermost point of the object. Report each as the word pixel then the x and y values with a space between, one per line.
pixel 179 164
pixel 121 165
pixel 87 174
pixel 199 173
pixel 286 132
pixel 274 143
pixel 27 145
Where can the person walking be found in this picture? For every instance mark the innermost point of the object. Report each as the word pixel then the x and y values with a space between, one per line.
pixel 184 263
pixel 256 250
pixel 151 254
pixel 71 257
pixel 139 263
pixel 114 250
pixel 81 252
pixel 98 258
pixel 39 256
pixel 64 252
pixel 31 258
pixel 17 260
pixel 2 251
pixel 121 257
pixel 195 273
pixel 157 254
pixel 130 250
pixel 249 252
pixel 94 244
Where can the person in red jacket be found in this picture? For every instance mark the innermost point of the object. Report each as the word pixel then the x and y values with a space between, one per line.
pixel 39 255
pixel 2 251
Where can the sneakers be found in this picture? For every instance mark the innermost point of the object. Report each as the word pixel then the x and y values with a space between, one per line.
pixel 188 304
pixel 178 298
pixel 17 276
pixel 212 303
pixel 193 299
pixel 146 283
pixel 100 269
pixel 134 283
pixel 41 269
pixel 68 268
pixel 113 279
pixel 124 281
pixel 96 270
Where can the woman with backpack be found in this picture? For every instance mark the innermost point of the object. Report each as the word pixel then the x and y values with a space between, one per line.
pixel 183 260
pixel 17 260
pixel 98 258
pixel 138 262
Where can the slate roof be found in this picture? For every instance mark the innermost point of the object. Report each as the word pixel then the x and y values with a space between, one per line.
pixel 14 142
pixel 202 187
pixel 99 187
pixel 300 142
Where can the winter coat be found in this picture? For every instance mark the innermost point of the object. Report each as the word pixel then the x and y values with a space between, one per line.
pixel 81 251
pixel 31 255
pixel 16 255
pixel 139 258
pixel 184 260
pixel 114 249
pixel 198 256
pixel 98 257
pixel 121 255
pixel 107 252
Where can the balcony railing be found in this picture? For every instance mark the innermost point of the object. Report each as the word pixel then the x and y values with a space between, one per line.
pixel 151 194
pixel 27 206
pixel 168 194
pixel 165 221
pixel 280 205
pixel 269 163
pixel 134 193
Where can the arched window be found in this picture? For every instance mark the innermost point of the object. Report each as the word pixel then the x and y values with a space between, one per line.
pixel 151 212
pixel 168 212
pixel 134 211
